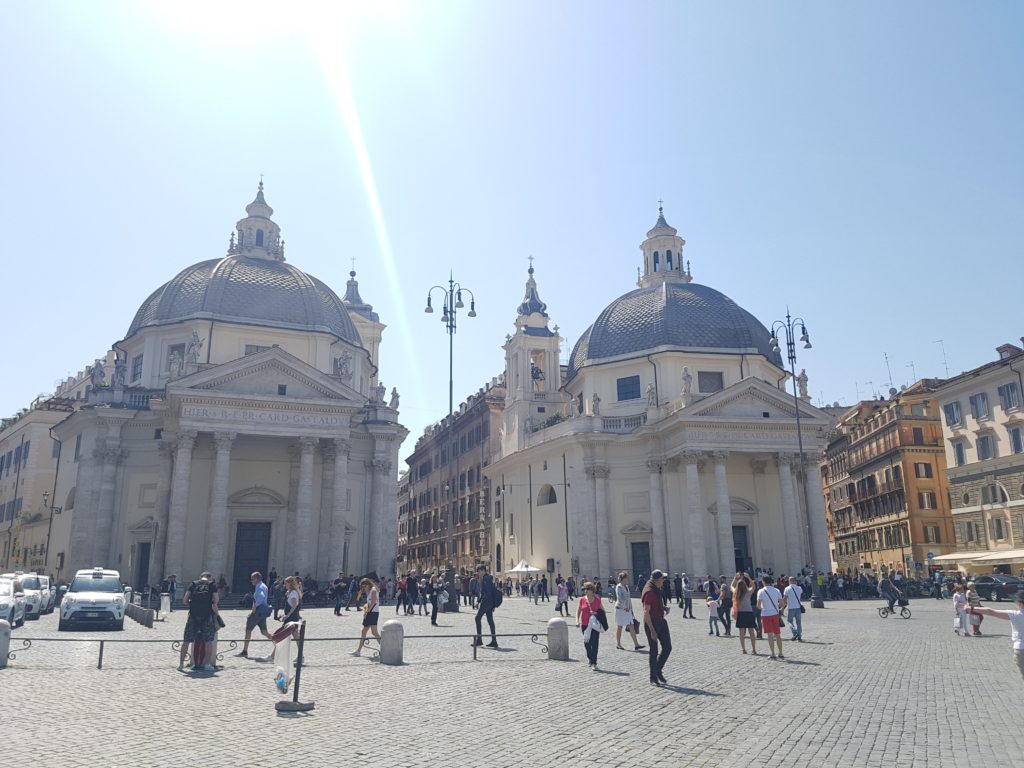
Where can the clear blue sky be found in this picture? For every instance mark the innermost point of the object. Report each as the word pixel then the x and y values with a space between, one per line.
pixel 860 163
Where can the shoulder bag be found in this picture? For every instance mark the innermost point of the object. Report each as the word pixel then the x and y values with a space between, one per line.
pixel 799 603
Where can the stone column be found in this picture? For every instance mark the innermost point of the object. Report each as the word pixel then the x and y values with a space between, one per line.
pixel 602 528
pixel 376 546
pixel 656 497
pixel 163 486
pixel 217 524
pixel 726 547
pixel 818 544
pixel 177 517
pixel 303 554
pixel 337 550
pixel 789 514
pixel 107 458
pixel 695 511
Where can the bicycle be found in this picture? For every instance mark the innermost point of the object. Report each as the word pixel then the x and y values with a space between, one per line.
pixel 885 610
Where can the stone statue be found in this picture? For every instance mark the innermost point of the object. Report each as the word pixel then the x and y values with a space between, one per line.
pixel 343 365
pixel 595 405
pixel 96 374
pixel 174 365
pixel 120 372
pixel 393 405
pixel 652 394
pixel 687 382
pixel 192 350
pixel 381 390
pixel 801 384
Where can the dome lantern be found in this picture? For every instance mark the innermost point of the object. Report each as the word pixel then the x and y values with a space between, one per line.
pixel 663 255
pixel 258 235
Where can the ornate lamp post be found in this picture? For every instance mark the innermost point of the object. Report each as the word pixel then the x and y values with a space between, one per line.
pixel 790 326
pixel 452 304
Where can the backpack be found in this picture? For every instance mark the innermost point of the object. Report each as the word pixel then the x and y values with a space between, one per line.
pixel 201 602
pixel 499 596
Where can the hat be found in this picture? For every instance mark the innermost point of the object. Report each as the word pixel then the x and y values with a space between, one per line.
pixel 656 574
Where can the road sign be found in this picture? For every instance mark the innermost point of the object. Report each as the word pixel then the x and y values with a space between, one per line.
pixel 931 555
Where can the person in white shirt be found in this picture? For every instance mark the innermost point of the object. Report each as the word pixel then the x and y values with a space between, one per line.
pixel 1016 619
pixel 794 595
pixel 772 604
pixel 624 613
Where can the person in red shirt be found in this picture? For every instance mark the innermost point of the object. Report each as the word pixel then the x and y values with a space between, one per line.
pixel 588 605
pixel 656 627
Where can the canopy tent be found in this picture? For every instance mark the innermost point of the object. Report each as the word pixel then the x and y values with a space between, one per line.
pixel 523 567
pixel 998 557
pixel 956 556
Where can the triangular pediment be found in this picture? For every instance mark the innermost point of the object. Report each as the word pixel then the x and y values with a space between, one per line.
pixel 750 399
pixel 263 374
pixel 637 528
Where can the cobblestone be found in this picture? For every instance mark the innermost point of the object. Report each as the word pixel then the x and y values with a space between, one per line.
pixel 862 691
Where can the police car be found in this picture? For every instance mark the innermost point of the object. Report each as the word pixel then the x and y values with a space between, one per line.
pixel 95 598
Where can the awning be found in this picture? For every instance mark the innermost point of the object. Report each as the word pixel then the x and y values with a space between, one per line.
pixel 996 557
pixel 954 557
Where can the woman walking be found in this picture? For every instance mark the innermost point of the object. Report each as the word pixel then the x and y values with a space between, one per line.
pixel 433 591
pixel 743 611
pixel 371 612
pixel 293 600
pixel 624 613
pixel 725 606
pixel 562 600
pixel 588 606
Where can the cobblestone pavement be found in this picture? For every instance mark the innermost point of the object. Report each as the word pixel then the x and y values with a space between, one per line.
pixel 861 691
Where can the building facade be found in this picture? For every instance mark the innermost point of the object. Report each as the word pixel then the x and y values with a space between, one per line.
pixel 983 426
pixel 884 482
pixel 243 427
pixel 668 442
pixel 443 499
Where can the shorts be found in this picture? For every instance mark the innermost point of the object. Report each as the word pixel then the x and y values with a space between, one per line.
pixel 370 619
pixel 204 628
pixel 745 620
pixel 254 620
pixel 770 624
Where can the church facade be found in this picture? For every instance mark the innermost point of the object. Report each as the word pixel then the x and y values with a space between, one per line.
pixel 244 427
pixel 669 441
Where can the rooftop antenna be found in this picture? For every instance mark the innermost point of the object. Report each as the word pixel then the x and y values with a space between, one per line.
pixel 913 370
pixel 888 367
pixel 945 364
pixel 871 389
pixel 856 389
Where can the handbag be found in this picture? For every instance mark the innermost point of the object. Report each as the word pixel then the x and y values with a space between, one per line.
pixel 800 604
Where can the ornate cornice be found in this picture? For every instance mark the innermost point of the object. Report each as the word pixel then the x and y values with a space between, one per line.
pixel 598 471
pixel 719 457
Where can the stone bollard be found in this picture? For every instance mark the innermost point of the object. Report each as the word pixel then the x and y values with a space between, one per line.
pixel 392 638
pixel 5 642
pixel 558 640
pixel 165 603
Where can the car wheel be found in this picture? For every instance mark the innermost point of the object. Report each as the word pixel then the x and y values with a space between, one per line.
pixel 118 626
pixel 62 626
pixel 993 596
pixel 10 619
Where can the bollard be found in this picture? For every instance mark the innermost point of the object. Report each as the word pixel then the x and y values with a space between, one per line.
pixel 5 642
pixel 392 639
pixel 558 640
pixel 165 603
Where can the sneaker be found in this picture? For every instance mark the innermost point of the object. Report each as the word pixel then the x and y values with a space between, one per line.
pixel 594 667
pixel 493 644
pixel 710 634
pixel 243 654
pixel 356 653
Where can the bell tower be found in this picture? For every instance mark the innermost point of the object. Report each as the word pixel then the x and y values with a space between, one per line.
pixel 533 372
pixel 663 256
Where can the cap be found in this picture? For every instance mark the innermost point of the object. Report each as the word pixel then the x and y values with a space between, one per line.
pixel 656 574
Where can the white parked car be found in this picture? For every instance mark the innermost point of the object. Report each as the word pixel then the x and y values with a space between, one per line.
pixel 95 598
pixel 12 603
pixel 49 593
pixel 33 589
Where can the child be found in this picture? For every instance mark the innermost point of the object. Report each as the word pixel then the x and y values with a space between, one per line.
pixel 714 601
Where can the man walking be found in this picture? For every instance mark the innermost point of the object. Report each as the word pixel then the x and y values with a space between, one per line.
pixel 338 587
pixel 794 596
pixel 258 613
pixel 486 607
pixel 771 603
pixel 656 627
pixel 687 598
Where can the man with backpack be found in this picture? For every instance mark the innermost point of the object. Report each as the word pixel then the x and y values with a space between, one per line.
pixel 490 599
pixel 201 599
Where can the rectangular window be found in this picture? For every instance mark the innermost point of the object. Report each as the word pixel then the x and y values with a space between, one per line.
pixel 979 406
pixel 926 500
pixel 997 528
pixel 931 534
pixel 953 416
pixel 628 388
pixel 136 367
pixel 922 469
pixel 178 349
pixel 918 436
pixel 1009 396
pixel 985 446
pixel 959 454
pixel 1016 440
pixel 918 409
pixel 710 381
pixel 252 349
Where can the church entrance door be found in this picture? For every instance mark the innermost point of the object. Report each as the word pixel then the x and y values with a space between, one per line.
pixel 741 545
pixel 252 553
pixel 640 553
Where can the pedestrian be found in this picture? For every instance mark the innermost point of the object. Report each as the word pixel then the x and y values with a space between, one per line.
pixel 624 613
pixel 959 610
pixel 433 592
pixel 258 613
pixel 772 604
pixel 678 584
pixel 974 601
pixel 1016 619
pixel 743 612
pixel 172 588
pixel 400 594
pixel 293 599
pixel 562 599
pixel 338 587
pixel 421 598
pixel 687 598
pixel 485 606
pixel 725 605
pixel 586 609
pixel 659 641
pixel 272 576
pixel 794 609
pixel 544 589
pixel 371 612
pixel 202 602
pixel 713 603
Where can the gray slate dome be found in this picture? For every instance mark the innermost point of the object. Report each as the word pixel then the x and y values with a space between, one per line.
pixel 248 290
pixel 680 315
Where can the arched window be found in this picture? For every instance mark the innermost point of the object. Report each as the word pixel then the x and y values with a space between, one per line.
pixel 655 261
pixel 668 260
pixel 547 495
pixel 259 238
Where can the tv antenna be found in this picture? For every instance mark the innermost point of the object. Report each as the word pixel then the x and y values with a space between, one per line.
pixel 945 364
pixel 913 370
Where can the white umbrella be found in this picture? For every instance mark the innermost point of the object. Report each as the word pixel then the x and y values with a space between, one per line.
pixel 524 567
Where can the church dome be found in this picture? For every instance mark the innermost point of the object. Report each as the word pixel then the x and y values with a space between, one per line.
pixel 251 291
pixel 679 315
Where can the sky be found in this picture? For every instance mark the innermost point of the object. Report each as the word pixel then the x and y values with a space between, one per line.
pixel 859 164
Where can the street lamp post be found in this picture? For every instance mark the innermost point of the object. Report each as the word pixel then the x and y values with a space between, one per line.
pixel 49 527
pixel 452 303
pixel 789 326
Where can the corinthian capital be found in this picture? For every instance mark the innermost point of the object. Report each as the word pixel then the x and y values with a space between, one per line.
pixel 598 471
pixel 654 465
pixel 308 444
pixel 186 439
pixel 720 457
pixel 223 440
